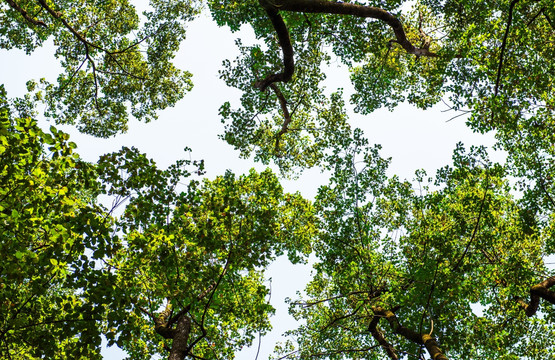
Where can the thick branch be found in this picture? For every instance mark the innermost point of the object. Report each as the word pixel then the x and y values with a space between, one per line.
pixel 161 324
pixel 25 14
pixel 327 7
pixel 286 48
pixel 421 339
pixel 377 334
pixel 538 291
pixel 341 8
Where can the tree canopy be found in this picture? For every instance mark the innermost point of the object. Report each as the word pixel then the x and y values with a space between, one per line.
pixel 451 265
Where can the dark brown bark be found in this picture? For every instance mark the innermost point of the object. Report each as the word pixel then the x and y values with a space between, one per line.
pixel 421 339
pixel 286 48
pixel 538 291
pixel 181 338
pixel 327 7
pixel 341 8
pixel 377 334
pixel 25 14
pixel 179 335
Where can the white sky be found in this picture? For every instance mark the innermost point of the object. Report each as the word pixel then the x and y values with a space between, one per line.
pixel 413 138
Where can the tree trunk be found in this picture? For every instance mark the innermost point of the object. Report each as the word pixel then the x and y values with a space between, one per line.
pixel 181 338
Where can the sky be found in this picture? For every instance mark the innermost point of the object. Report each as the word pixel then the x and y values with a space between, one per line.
pixel 413 138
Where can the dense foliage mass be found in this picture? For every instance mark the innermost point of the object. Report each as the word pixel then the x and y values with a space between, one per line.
pixel 450 266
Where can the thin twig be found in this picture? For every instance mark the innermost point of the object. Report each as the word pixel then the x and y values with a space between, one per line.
pixel 475 231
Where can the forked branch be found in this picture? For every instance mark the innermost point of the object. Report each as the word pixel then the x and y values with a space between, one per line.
pixel 421 339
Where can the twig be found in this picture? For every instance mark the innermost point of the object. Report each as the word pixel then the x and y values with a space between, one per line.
pixel 475 231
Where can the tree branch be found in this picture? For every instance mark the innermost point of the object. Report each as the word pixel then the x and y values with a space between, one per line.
pixel 345 316
pixel 88 57
pixel 341 8
pixel 212 291
pixel 286 114
pixel 25 14
pixel 286 48
pixel 504 45
pixel 475 231
pixel 79 36
pixel 421 339
pixel 378 335
pixel 373 294
pixel 162 325
pixel 176 317
pixel 548 19
pixel 327 7
pixel 538 291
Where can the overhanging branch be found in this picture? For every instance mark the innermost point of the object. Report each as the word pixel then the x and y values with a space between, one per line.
pixel 272 9
pixel 286 48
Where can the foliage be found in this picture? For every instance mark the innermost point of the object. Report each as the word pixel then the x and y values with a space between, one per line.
pixel 456 262
pixel 490 60
pixel 113 61
pixel 199 254
pixel 72 274
pixel 49 224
